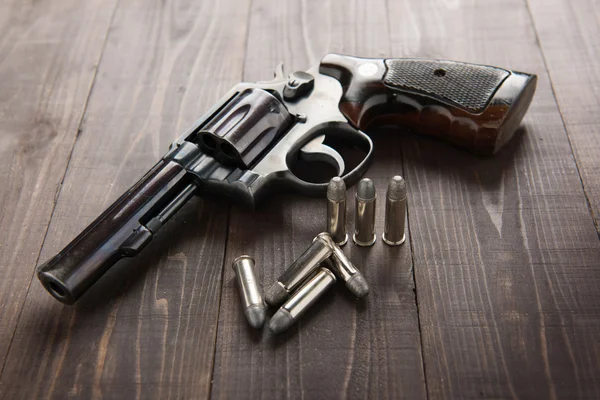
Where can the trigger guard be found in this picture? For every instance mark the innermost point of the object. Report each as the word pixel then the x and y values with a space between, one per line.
pixel 348 132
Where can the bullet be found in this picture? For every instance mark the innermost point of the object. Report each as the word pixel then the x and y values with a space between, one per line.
pixel 252 300
pixel 364 225
pixel 302 300
pixel 301 269
pixel 336 210
pixel 346 271
pixel 395 212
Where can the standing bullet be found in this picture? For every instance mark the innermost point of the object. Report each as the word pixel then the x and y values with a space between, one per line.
pixel 252 301
pixel 336 210
pixel 395 212
pixel 364 225
pixel 346 271
pixel 301 269
pixel 302 300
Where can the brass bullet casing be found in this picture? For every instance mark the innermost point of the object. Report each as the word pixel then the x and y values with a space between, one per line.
pixel 346 271
pixel 395 212
pixel 300 269
pixel 336 210
pixel 302 300
pixel 364 225
pixel 252 300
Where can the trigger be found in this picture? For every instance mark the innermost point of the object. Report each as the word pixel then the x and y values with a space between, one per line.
pixel 315 150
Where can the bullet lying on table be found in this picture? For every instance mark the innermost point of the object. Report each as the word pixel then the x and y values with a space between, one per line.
pixel 301 274
pixel 302 300
pixel 345 270
pixel 252 301
pixel 301 269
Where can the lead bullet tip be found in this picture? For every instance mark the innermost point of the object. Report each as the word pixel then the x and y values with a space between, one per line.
pixel 276 295
pixel 358 285
pixel 256 316
pixel 396 188
pixel 366 189
pixel 336 190
pixel 281 321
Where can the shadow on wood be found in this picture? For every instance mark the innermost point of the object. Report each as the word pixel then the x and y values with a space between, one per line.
pixel 444 159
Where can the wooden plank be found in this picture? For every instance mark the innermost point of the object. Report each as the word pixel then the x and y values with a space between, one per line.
pixel 342 347
pixel 568 33
pixel 48 56
pixel 147 329
pixel 506 258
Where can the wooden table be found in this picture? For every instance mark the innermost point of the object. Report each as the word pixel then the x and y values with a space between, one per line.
pixel 495 295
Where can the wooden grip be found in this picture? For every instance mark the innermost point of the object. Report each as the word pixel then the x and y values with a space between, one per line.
pixel 471 106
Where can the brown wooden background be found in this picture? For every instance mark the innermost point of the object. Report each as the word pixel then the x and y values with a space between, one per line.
pixel 495 295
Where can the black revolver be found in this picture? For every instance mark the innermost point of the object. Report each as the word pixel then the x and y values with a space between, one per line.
pixel 246 146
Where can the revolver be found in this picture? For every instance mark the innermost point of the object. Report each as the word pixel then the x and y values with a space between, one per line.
pixel 247 146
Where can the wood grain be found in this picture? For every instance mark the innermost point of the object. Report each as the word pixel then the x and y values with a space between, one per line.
pixel 505 254
pixel 343 347
pixel 568 33
pixel 147 329
pixel 48 57
pixel 507 261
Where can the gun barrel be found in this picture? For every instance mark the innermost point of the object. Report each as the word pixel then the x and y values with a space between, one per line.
pixel 123 230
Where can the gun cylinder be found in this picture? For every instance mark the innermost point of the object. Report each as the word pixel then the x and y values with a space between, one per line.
pixel 252 300
pixel 247 125
pixel 364 226
pixel 346 271
pixel 301 269
pixel 336 210
pixel 302 300
pixel 395 212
